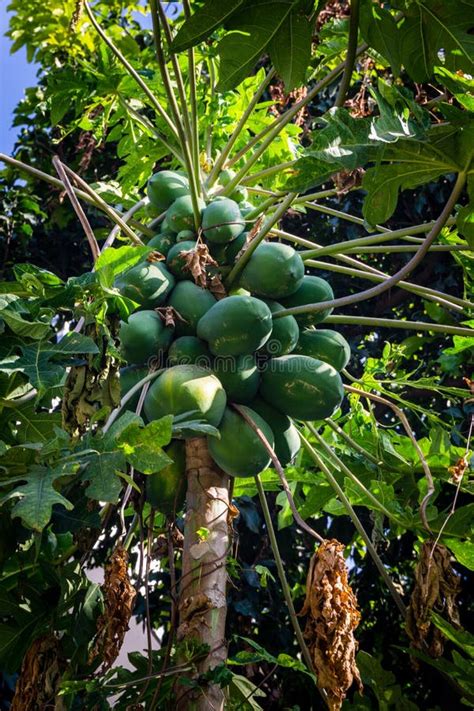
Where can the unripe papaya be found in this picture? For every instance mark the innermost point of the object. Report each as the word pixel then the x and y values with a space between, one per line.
pixel 148 284
pixel 239 375
pixel 222 221
pixel 180 215
pixel 189 350
pixel 239 451
pixel 164 187
pixel 302 387
pixel 191 302
pixel 162 242
pixel 313 290
pixel 226 175
pixel 144 336
pixel 285 332
pixel 186 389
pixel 236 325
pixel 329 346
pixel 166 489
pixel 287 439
pixel 274 270
pixel 185 236
pixel 245 208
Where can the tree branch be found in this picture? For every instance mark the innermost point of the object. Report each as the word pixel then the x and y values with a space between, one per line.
pixel 393 280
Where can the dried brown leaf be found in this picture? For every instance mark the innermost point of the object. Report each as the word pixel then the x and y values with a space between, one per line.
pixel 40 675
pixel 155 257
pixel 216 287
pixel 458 470
pixel 196 261
pixel 119 598
pixel 94 385
pixel 436 588
pixel 346 180
pixel 169 315
pixel 332 616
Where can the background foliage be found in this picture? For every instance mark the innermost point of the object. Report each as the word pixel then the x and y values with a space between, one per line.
pixel 61 496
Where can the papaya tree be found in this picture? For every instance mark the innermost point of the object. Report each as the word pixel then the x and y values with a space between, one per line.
pixel 215 355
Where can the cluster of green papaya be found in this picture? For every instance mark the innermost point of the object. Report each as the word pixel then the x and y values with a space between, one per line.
pixel 218 350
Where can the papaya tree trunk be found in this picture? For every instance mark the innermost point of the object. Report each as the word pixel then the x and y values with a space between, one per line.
pixel 202 595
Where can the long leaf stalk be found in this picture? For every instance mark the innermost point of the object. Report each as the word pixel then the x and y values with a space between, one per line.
pixel 128 395
pixel 184 138
pixel 385 236
pixel 278 125
pixel 126 217
pixel 266 172
pixel 446 300
pixel 261 209
pixel 355 520
pixel 90 196
pixel 351 54
pixel 148 126
pixel 224 154
pixel 281 574
pixel 396 248
pixel 183 100
pixel 355 479
pixel 355 445
pixel 89 232
pixel 280 471
pixel 406 426
pixel 99 202
pixel 266 227
pixel 448 330
pixel 133 73
pixel 396 278
pixel 193 97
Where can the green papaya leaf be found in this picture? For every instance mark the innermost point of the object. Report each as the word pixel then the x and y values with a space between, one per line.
pixel 203 22
pixel 290 50
pixel 250 32
pixel 379 29
pixel 437 33
pixel 37 496
pixel 142 446
pixel 113 261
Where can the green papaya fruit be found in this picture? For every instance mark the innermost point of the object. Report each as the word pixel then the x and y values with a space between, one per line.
pixel 287 439
pixel 180 215
pixel 147 283
pixel 236 325
pixel 144 337
pixel 313 290
pixel 302 387
pixel 186 389
pixel 189 350
pixel 329 346
pixel 285 332
pixel 191 302
pixel 162 242
pixel 222 221
pixel 164 187
pixel 176 261
pixel 274 270
pixel 239 451
pixel 239 375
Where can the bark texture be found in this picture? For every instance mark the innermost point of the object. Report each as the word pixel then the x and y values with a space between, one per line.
pixel 202 595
